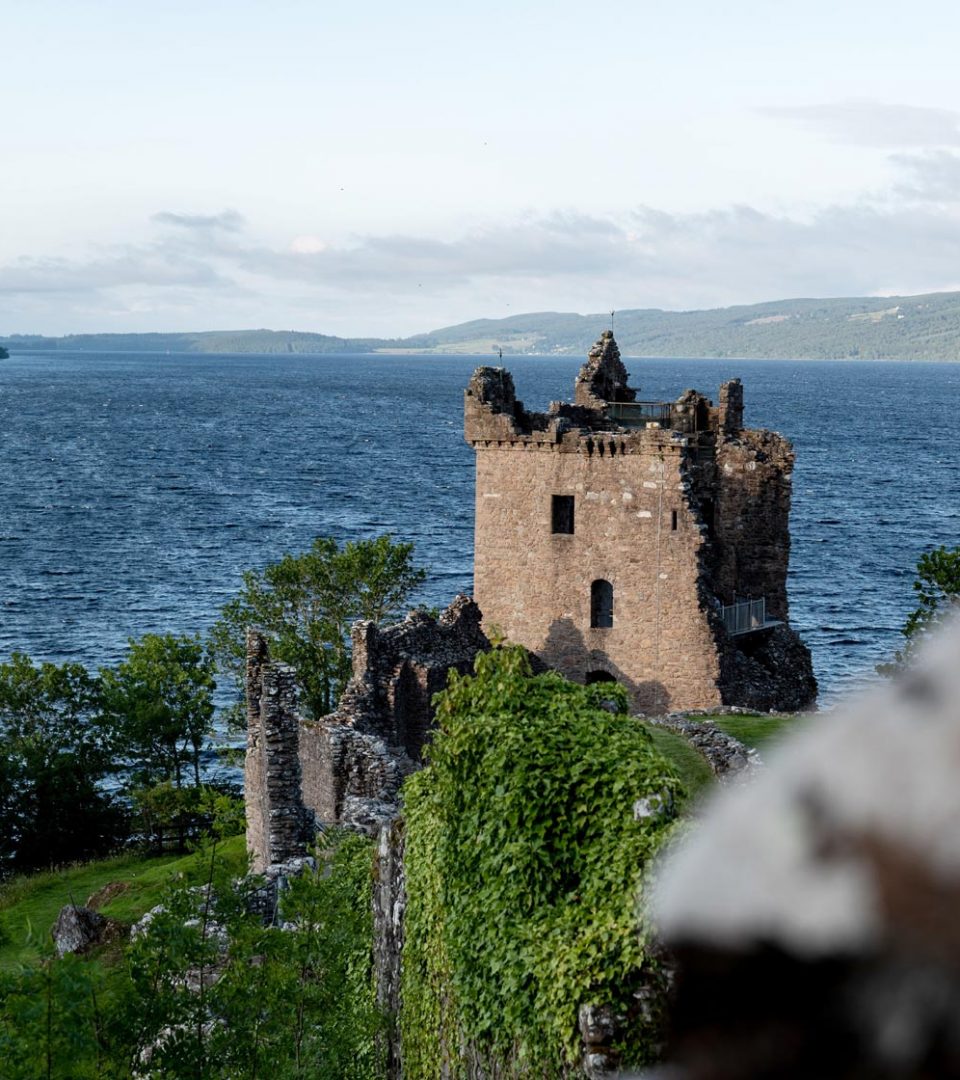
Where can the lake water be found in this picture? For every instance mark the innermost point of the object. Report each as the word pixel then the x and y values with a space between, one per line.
pixel 135 488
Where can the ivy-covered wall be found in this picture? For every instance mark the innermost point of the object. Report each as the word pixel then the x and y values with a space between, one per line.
pixel 527 837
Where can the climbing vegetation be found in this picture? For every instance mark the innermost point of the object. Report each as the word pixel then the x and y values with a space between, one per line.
pixel 527 837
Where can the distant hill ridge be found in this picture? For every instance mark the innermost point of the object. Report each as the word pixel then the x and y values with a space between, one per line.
pixel 925 327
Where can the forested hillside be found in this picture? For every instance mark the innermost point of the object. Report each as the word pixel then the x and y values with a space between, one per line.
pixel 865 328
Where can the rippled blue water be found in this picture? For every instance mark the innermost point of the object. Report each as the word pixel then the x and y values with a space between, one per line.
pixel 136 488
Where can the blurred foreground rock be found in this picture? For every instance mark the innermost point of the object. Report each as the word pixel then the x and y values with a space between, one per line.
pixel 815 913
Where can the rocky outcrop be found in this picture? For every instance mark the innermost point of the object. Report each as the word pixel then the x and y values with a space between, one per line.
pixel 769 671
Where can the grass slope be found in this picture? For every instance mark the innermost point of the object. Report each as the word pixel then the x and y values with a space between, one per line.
pixel 758 731
pixel 29 905
pixel 691 765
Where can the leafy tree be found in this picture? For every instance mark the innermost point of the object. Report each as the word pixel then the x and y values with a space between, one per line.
pixel 54 754
pixel 937 588
pixel 4 353
pixel 160 702
pixel 306 603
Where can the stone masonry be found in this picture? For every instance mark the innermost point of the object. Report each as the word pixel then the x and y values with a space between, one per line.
pixel 347 767
pixel 611 533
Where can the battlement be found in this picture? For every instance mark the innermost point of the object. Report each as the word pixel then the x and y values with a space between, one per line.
pixel 603 402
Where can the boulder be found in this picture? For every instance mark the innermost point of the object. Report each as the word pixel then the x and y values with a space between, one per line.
pixel 78 929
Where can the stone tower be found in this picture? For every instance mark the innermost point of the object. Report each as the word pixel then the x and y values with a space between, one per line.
pixel 645 542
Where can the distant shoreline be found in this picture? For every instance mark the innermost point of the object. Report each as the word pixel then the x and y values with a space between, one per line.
pixel 904 328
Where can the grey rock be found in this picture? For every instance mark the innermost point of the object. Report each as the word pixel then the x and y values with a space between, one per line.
pixel 78 929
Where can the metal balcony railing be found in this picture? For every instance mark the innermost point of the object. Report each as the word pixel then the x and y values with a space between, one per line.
pixel 746 615
pixel 640 413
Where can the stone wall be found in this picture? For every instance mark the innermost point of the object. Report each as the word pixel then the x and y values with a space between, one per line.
pixel 680 515
pixel 535 585
pixel 277 823
pixel 347 768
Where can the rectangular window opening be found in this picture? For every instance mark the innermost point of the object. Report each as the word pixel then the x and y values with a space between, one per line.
pixel 673 520
pixel 562 516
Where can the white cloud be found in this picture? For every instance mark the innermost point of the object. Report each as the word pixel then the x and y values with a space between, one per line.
pixel 207 270
pixel 875 123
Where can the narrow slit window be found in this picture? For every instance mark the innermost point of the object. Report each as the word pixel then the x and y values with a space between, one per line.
pixel 601 605
pixel 563 514
pixel 673 520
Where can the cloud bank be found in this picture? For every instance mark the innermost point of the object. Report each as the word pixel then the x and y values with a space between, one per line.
pixel 208 270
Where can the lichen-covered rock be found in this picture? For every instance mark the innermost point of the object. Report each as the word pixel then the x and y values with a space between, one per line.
pixel 79 929
pixel 815 914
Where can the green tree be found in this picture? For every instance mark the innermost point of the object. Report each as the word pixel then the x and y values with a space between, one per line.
pixel 937 589
pixel 4 353
pixel 306 603
pixel 160 703
pixel 54 754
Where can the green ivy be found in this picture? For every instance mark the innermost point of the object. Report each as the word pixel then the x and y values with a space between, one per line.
pixel 524 866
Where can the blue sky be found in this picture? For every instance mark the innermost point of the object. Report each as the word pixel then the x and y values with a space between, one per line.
pixel 376 168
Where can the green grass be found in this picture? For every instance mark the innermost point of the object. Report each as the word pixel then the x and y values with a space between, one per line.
pixel 29 905
pixel 758 730
pixel 691 765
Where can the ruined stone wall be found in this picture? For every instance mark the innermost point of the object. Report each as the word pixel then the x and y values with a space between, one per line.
pixel 276 821
pixel 535 585
pixel 347 768
pixel 751 520
pixel 355 759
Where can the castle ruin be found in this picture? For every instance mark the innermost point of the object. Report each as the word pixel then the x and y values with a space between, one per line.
pixel 641 541
pixel 302 774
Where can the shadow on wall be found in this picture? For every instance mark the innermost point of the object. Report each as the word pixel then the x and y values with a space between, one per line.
pixel 567 651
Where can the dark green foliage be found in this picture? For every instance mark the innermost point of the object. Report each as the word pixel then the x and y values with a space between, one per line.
pixel 54 753
pixel 159 702
pixel 524 870
pixel 937 588
pixel 306 604
pixel 51 1023
pixel 63 732
pixel 266 1003
pixel 4 353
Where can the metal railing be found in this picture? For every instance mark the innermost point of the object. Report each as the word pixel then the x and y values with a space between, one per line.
pixel 745 615
pixel 640 413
